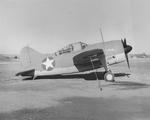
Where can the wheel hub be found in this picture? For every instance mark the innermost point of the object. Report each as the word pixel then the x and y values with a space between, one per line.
pixel 109 77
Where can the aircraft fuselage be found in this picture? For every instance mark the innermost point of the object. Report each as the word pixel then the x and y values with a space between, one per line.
pixel 100 54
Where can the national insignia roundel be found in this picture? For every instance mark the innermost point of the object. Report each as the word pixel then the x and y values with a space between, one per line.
pixel 48 63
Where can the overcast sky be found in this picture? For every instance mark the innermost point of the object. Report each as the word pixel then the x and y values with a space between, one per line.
pixel 48 25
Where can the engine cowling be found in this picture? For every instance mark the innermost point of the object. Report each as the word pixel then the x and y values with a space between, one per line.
pixel 116 59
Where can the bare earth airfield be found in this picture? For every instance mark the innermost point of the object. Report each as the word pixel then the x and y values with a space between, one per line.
pixel 76 97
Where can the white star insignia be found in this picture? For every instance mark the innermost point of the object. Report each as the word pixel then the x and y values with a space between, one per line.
pixel 48 63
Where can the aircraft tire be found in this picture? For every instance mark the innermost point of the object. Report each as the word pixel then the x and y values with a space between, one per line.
pixel 109 77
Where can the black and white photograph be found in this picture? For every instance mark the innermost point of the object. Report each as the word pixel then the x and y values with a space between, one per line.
pixel 74 60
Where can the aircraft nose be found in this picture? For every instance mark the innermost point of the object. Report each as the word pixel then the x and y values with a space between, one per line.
pixel 128 48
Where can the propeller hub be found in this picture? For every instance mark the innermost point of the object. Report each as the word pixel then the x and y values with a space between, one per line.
pixel 127 49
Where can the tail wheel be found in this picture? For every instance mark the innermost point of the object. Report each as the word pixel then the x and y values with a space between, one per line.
pixel 109 76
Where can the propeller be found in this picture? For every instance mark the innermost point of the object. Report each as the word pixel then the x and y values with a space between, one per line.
pixel 127 60
pixel 127 49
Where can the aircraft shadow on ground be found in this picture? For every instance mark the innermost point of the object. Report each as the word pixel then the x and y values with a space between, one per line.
pixel 129 85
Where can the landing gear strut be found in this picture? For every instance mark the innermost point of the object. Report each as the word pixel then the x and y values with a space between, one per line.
pixel 109 76
pixel 34 77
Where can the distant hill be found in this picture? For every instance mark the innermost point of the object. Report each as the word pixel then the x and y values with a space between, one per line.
pixel 141 55
pixel 7 58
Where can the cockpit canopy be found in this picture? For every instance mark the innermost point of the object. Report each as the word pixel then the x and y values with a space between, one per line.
pixel 71 47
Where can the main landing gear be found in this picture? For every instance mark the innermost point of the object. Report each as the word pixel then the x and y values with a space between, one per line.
pixel 109 76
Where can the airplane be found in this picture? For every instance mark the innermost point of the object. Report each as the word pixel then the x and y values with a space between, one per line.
pixel 75 58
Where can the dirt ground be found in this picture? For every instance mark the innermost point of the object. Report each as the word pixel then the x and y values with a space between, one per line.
pixel 76 97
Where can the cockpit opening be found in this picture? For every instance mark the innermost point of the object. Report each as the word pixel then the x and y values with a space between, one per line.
pixel 71 47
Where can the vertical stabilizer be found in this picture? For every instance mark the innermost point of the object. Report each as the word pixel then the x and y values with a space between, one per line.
pixel 30 59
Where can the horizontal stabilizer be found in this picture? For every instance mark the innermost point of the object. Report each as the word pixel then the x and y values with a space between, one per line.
pixel 26 73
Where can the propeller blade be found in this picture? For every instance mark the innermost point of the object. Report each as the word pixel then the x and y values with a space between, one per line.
pixel 127 61
pixel 125 42
pixel 122 43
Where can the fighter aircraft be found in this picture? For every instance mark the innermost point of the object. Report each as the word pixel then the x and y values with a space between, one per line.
pixel 75 58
